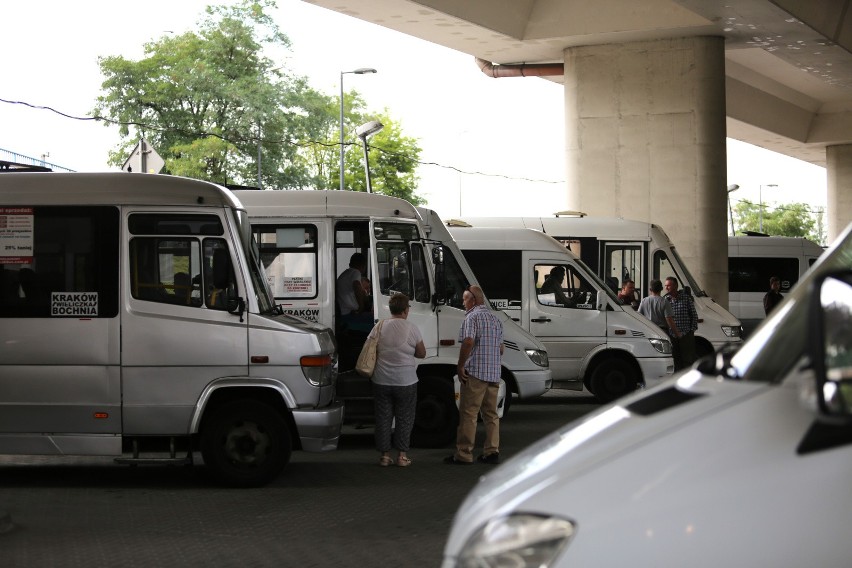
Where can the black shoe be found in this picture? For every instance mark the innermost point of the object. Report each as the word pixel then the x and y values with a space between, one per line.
pixel 491 459
pixel 451 460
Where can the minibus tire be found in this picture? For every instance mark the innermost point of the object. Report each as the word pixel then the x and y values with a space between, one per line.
pixel 245 443
pixel 437 416
pixel 612 378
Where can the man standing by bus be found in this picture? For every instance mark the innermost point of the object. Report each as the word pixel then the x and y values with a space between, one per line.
pixel 481 338
pixel 686 319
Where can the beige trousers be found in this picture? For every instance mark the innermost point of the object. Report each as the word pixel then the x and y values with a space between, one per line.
pixel 476 395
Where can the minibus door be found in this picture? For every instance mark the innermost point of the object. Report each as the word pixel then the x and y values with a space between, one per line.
pixel 625 261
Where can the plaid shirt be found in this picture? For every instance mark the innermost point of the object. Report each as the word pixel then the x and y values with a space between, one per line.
pixel 685 315
pixel 481 325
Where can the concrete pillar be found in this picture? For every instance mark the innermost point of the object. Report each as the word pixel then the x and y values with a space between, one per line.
pixel 645 128
pixel 838 160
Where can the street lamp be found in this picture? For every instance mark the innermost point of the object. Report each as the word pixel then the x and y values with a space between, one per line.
pixel 731 188
pixel 363 132
pixel 359 71
pixel 760 197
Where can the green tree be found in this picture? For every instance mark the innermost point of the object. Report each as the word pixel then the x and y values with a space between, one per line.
pixel 792 220
pixel 215 107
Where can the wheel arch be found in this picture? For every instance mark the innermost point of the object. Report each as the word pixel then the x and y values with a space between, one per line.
pixel 268 391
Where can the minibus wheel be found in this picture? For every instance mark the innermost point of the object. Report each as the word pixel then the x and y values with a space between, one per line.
pixel 437 417
pixel 613 378
pixel 245 443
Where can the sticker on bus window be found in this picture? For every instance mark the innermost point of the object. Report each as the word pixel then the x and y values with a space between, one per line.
pixel 297 285
pixel 74 304
pixel 16 235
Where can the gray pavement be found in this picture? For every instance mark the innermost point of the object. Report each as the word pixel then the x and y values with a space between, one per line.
pixel 333 509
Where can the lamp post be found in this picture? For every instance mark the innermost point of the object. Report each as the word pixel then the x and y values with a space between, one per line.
pixel 760 197
pixel 363 132
pixel 731 188
pixel 359 71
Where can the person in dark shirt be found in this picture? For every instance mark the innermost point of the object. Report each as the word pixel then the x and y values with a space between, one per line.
pixel 773 297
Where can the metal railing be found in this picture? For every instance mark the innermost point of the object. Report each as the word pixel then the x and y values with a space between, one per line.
pixel 12 161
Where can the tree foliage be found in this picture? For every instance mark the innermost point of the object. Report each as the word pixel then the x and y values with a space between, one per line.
pixel 793 220
pixel 214 106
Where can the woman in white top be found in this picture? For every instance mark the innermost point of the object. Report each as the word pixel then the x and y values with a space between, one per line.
pixel 395 381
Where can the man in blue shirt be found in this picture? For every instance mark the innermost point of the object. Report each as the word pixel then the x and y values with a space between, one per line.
pixel 481 339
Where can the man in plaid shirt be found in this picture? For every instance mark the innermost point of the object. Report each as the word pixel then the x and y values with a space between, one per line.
pixel 481 338
pixel 686 319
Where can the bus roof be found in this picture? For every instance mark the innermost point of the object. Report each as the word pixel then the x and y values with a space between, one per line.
pixel 777 245
pixel 322 203
pixel 482 238
pixel 110 188
pixel 608 228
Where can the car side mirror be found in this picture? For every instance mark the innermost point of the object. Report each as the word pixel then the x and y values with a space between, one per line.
pixel 830 343
pixel 600 302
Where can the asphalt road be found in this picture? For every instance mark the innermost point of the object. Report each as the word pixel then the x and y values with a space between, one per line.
pixel 332 509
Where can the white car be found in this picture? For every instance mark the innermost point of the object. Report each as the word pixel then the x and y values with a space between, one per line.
pixel 745 460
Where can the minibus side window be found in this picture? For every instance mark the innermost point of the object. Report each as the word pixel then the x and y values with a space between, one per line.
pixel 562 286
pixel 289 256
pixel 752 274
pixel 455 280
pixel 59 261
pixel 500 285
pixel 185 268
pixel 419 274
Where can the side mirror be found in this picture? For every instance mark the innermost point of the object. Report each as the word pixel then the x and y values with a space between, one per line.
pixel 600 302
pixel 830 346
pixel 236 305
pixel 438 255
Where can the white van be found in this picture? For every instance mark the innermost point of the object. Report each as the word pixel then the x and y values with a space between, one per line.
pixel 753 260
pixel 742 461
pixel 306 240
pixel 593 340
pixel 618 249
pixel 135 318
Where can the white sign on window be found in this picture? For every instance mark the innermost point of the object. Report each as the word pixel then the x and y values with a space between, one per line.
pixel 16 235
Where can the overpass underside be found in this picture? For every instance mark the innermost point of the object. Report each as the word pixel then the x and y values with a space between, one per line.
pixel 652 88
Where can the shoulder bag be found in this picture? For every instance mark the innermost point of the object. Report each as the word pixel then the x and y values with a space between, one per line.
pixel 366 363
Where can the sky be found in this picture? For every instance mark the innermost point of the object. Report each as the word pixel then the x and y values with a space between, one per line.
pixel 490 138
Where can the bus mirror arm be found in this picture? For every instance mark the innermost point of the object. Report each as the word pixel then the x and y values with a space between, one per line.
pixel 237 306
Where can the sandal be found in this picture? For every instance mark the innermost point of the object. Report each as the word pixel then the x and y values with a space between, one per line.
pixel 403 461
pixel 385 461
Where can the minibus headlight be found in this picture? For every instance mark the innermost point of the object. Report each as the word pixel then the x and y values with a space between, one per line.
pixel 662 345
pixel 732 330
pixel 538 356
pixel 318 369
pixel 521 540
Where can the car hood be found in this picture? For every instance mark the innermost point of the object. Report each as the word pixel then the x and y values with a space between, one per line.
pixel 579 449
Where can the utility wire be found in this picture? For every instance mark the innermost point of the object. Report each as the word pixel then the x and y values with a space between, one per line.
pixel 256 140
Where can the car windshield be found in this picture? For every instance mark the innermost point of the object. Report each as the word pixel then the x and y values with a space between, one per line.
pixel 780 342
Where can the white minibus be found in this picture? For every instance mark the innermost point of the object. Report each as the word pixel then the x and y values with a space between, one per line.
pixel 306 240
pixel 135 322
pixel 753 260
pixel 743 460
pixel 592 340
pixel 621 249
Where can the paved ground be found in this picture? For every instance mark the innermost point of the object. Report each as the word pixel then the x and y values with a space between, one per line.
pixel 334 509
